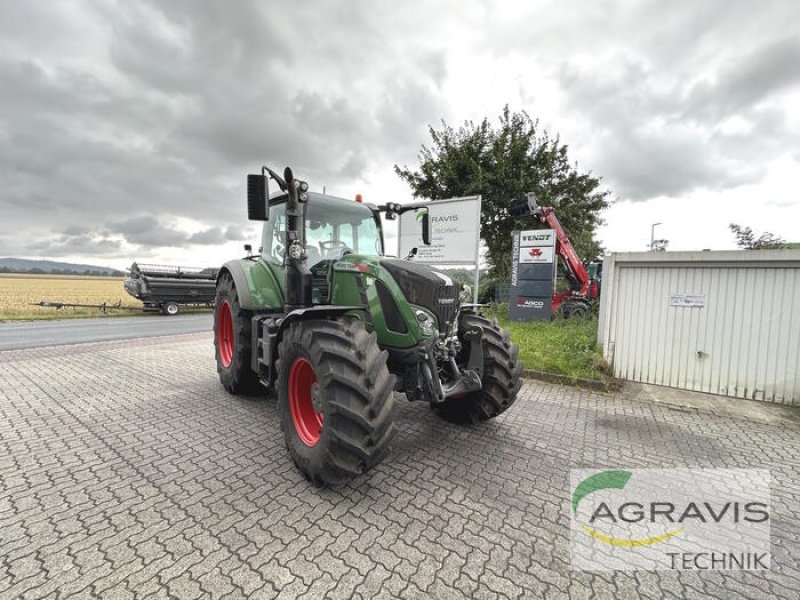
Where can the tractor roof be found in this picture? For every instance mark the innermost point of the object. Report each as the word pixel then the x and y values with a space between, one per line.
pixel 323 198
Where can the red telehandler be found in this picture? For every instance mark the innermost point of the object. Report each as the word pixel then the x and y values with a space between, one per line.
pixel 583 290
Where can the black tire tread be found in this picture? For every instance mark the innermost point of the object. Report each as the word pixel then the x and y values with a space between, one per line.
pixel 359 409
pixel 502 376
pixel 239 378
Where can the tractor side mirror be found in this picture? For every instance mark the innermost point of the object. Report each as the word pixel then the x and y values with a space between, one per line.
pixel 426 228
pixel 257 197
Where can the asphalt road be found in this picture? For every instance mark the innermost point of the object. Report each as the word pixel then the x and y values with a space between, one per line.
pixel 78 331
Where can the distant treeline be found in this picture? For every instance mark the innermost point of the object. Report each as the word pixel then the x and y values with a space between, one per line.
pixel 37 271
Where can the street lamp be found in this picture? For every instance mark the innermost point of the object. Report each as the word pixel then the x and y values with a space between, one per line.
pixel 653 236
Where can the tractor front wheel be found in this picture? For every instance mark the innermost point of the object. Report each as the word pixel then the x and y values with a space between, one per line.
pixel 502 371
pixel 232 340
pixel 335 398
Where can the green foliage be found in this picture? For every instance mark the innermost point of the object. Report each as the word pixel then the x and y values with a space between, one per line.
pixel 747 240
pixel 563 346
pixel 501 164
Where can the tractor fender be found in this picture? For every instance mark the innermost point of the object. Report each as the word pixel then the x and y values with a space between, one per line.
pixel 271 334
pixel 317 312
pixel 235 269
pixel 313 312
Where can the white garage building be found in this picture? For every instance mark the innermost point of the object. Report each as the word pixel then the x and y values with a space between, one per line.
pixel 719 322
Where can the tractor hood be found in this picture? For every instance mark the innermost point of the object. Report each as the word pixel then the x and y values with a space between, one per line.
pixel 425 286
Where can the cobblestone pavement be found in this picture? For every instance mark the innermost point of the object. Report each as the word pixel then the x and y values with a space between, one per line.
pixel 126 470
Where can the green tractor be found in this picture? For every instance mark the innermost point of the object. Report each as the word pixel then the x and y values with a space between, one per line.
pixel 337 328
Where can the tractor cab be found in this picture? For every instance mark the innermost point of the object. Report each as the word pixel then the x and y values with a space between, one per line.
pixel 334 228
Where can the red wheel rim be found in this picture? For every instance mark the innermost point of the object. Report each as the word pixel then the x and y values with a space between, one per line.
pixel 225 334
pixel 307 421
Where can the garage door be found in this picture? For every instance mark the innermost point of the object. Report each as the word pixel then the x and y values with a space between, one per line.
pixel 704 322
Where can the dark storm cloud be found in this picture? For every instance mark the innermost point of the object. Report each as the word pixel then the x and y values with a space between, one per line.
pixel 191 96
pixel 88 244
pixel 120 120
pixel 210 236
pixel 149 231
pixel 665 129
pixel 770 69
pixel 235 233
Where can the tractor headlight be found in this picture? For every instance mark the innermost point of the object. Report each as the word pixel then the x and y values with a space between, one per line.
pixel 466 294
pixel 425 322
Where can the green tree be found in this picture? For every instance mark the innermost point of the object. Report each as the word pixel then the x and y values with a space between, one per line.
pixel 501 164
pixel 747 240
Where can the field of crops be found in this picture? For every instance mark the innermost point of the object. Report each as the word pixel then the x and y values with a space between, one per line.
pixel 18 292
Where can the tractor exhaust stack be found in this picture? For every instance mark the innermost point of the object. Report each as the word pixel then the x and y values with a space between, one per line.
pixel 298 276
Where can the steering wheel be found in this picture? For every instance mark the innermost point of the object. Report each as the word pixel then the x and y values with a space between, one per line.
pixel 334 248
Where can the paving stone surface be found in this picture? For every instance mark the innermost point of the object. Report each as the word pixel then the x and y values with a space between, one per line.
pixel 127 471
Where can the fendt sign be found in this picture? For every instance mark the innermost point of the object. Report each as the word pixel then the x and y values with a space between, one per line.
pixel 532 275
pixel 544 237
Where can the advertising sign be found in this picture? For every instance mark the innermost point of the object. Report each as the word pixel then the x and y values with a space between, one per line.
pixel 535 255
pixel 538 237
pixel 532 303
pixel 629 519
pixel 455 227
pixel 532 275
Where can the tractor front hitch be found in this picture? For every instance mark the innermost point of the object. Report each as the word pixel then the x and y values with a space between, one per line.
pixel 474 336
pixel 469 379
pixel 425 363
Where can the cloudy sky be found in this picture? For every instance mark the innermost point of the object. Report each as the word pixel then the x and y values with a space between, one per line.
pixel 127 128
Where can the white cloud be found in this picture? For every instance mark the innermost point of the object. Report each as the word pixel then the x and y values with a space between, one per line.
pixel 118 113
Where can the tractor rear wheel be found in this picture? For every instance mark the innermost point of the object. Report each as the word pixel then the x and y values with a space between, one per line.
pixel 232 340
pixel 502 371
pixel 335 398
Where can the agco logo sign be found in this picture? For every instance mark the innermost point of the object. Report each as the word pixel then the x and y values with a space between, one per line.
pixel 528 303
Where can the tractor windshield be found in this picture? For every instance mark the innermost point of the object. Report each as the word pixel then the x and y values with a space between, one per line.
pixel 336 227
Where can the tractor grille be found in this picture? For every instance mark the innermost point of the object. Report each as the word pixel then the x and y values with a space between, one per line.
pixel 391 314
pixel 424 286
